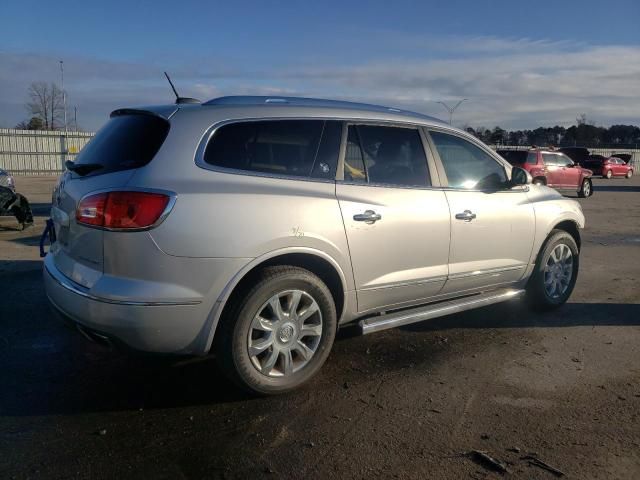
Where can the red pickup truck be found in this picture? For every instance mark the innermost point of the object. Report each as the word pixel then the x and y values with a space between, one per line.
pixel 552 168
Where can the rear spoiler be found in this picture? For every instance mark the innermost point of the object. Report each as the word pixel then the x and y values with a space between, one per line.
pixel 164 111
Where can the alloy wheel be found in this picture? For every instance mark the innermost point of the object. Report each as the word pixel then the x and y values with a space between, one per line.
pixel 558 271
pixel 285 333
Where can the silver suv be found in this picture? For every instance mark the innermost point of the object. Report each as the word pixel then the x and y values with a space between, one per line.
pixel 253 228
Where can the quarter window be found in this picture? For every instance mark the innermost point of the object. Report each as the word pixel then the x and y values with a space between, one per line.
pixel 385 155
pixel 466 165
pixel 300 148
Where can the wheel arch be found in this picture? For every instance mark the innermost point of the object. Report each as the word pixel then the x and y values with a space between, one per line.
pixel 542 178
pixel 571 228
pixel 316 261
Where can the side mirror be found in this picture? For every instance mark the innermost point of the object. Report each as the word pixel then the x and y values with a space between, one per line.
pixel 519 176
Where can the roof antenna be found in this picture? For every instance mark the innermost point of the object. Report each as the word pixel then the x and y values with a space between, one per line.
pixel 179 99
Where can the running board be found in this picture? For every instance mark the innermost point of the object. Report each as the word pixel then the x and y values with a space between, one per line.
pixel 418 314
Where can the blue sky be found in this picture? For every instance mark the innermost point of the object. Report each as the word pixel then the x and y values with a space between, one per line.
pixel 521 64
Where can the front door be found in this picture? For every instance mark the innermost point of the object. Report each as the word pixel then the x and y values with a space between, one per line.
pixel 553 171
pixel 397 225
pixel 492 224
pixel 570 173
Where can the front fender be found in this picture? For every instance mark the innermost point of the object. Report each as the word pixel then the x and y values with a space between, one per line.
pixel 551 209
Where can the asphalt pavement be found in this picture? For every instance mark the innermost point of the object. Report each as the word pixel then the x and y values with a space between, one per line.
pixel 535 392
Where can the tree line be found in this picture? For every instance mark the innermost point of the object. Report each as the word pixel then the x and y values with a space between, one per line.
pixel 583 133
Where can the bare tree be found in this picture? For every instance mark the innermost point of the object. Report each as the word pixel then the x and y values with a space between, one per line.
pixel 46 103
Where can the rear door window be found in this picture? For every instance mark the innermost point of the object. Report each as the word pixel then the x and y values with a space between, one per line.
pixel 125 142
pixel 550 159
pixel 468 166
pixel 386 155
pixel 299 148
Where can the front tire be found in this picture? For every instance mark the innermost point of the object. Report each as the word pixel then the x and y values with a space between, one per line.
pixel 277 332
pixel 630 174
pixel 555 273
pixel 586 189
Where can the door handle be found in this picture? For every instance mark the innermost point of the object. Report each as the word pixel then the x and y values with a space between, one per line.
pixel 467 216
pixel 369 216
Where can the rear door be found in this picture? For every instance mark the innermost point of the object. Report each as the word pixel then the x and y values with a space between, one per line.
pixel 129 140
pixel 492 224
pixel 397 221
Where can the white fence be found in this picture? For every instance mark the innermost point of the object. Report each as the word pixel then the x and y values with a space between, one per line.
pixel 31 152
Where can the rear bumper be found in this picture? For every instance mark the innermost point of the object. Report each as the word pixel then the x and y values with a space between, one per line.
pixel 154 327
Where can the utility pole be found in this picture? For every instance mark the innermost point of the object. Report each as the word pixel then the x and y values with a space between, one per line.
pixel 75 118
pixel 452 109
pixel 64 96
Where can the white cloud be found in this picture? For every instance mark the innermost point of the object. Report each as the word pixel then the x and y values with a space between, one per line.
pixel 514 83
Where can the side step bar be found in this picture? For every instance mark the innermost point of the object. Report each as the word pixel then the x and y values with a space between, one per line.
pixel 418 314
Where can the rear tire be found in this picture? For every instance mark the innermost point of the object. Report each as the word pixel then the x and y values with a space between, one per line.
pixel 608 175
pixel 538 181
pixel 277 332
pixel 586 189
pixel 555 272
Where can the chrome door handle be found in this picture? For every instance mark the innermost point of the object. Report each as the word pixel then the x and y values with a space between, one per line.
pixel 368 216
pixel 467 216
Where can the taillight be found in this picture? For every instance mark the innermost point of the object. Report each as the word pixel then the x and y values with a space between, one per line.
pixel 121 210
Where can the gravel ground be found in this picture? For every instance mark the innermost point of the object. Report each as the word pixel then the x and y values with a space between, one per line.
pixel 563 387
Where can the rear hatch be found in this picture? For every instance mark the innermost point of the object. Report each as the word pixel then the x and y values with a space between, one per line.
pixel 127 142
pixel 517 158
pixel 593 162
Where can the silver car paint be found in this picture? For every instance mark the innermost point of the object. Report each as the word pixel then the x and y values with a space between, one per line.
pixel 224 223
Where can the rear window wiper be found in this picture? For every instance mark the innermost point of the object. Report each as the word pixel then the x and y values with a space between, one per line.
pixel 83 168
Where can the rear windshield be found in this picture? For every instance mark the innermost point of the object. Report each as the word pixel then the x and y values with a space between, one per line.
pixel 514 157
pixel 125 142
pixel 594 160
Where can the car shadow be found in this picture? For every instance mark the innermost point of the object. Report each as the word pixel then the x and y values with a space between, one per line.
pixel 616 188
pixel 49 368
pixel 41 209
pixel 516 314
pixel 30 241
